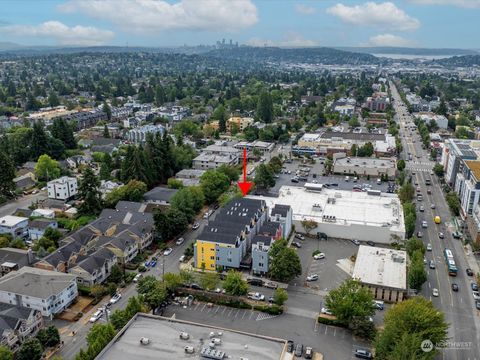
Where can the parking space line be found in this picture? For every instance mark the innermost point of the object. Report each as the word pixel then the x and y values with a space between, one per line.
pixel 196 306
pixel 225 308
pixel 204 305
pixel 209 309
pixel 251 314
pixel 237 313
pixel 334 331
pixel 230 312
pixel 244 313
pixel 216 311
pixel 326 329
pixel 315 326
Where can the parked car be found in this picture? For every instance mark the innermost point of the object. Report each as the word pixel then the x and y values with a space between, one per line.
pixel 419 234
pixel 255 281
pixel 195 226
pixel 256 296
pixel 432 264
pixel 180 241
pixel 422 208
pixel 308 353
pixel 432 206
pixel 319 256
pixel 96 316
pixel 441 235
pixel 312 277
pixel 137 278
pixel 115 298
pixel 474 286
pixel 182 258
pixel 371 243
pixel 270 285
pixel 355 241
pixel 153 263
pixel 435 292
pixel 326 311
pixel 363 354
pixel 477 305
pixel 454 287
pixel 296 244
pixel 476 295
pixel 429 247
pixel 469 271
pixel 298 350
pixel 290 346
pixel 379 305
pixel 167 251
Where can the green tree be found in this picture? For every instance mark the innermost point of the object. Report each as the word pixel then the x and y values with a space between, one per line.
pixel 106 133
pixel 350 300
pixel 363 327
pixel 133 191
pixel 209 280
pixel 416 272
pixel 53 99
pixel 63 131
pixel 31 349
pixel 438 170
pixel 5 353
pixel 39 143
pixel 174 183
pixel 234 283
pixel 46 168
pixel 170 223
pixel 4 241
pixel 116 275
pixel 280 296
pixel 220 115
pixel 172 281
pixel 401 165
pixel 231 172
pixel 309 225
pixel 7 174
pixel 453 202
pixel 265 107
pixel 88 192
pixel 213 184
pixel 107 110
pixel 353 122
pixel 407 324
pixel 264 177
pixel 153 291
pixel 106 167
pixel 49 337
pixel 414 244
pixel 285 263
pixel 406 192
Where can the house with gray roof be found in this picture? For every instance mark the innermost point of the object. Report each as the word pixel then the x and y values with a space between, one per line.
pixel 95 267
pixel 49 292
pixel 12 259
pixel 159 195
pixel 18 323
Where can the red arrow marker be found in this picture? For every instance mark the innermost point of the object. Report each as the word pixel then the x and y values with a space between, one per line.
pixel 245 185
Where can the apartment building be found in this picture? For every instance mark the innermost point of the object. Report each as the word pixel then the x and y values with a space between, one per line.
pixel 16 226
pixel 63 188
pixel 47 291
pixel 225 241
pixel 18 323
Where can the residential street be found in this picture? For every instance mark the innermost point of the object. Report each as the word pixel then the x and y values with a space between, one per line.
pixel 22 202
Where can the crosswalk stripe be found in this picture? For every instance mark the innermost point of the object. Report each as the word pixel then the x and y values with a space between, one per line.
pixel 264 316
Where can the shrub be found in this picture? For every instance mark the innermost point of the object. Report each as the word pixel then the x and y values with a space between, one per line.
pixel 83 290
pixel 272 310
pixel 329 321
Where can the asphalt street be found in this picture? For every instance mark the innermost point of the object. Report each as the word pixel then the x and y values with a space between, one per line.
pixel 458 307
pixel 22 202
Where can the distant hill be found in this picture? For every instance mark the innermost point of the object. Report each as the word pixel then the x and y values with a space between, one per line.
pixel 460 61
pixel 409 51
pixel 315 55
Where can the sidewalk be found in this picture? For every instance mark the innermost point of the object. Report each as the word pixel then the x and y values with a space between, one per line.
pixel 471 260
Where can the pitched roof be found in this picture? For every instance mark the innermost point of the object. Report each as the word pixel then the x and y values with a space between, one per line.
pixel 160 194
pixel 96 260
pixel 281 210
pixel 35 282
pixel 17 256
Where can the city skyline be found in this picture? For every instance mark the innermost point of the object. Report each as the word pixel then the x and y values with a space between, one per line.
pixel 412 23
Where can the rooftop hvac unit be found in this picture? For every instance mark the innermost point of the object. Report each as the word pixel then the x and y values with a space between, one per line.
pixel 212 353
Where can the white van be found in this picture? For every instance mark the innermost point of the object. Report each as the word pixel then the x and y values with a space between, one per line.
pixel 137 278
pixel 379 182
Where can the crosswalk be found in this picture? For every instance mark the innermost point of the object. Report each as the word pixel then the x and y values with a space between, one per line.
pixel 419 169
pixel 425 166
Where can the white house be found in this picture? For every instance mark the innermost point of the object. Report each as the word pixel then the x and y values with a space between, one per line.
pixel 16 226
pixel 63 188
pixel 50 292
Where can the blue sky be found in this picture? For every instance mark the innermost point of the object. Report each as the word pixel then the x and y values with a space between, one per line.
pixel 290 23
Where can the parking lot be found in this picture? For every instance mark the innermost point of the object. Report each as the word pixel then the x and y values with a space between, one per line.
pixel 317 169
pixel 333 342
pixel 329 273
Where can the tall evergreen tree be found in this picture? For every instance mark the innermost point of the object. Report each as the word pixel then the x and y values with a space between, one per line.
pixel 106 133
pixel 107 110
pixel 265 107
pixel 7 174
pixel 39 144
pixel 53 99
pixel 106 167
pixel 63 131
pixel 159 95
pixel 89 193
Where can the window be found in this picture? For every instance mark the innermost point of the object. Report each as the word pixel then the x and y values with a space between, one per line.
pixel 260 264
pixel 212 257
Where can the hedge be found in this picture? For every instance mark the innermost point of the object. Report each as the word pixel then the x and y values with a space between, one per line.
pixel 272 310
pixel 328 321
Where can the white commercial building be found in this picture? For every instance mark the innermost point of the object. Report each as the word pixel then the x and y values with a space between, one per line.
pixel 383 271
pixel 440 120
pixel 50 292
pixel 365 167
pixel 63 188
pixel 344 214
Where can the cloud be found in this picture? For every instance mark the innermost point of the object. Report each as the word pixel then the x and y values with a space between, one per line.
pixel 383 15
pixel 61 33
pixel 291 39
pixel 460 3
pixel 305 9
pixel 389 40
pixel 152 16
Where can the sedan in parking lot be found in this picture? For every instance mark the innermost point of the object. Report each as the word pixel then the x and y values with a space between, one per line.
pixel 474 286
pixel 290 346
pixel 435 292
pixel 319 256
pixel 355 241
pixel 296 244
pixel 469 272
pixel 167 251
pixel 454 287
pixel 300 236
pixel 476 295
pixel 312 277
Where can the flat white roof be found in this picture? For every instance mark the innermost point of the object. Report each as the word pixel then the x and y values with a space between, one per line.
pixel 381 267
pixel 348 207
pixel 10 220
pixel 370 162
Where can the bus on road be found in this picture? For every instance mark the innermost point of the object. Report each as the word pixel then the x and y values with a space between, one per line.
pixel 450 262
